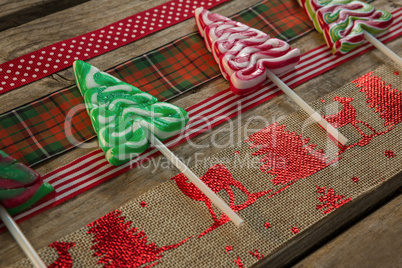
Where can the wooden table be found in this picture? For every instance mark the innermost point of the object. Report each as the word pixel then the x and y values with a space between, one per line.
pixel 373 236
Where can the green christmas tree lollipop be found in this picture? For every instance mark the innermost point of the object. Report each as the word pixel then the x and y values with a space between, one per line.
pixel 121 114
pixel 127 120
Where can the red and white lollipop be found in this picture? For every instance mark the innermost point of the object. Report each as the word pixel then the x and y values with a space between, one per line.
pixel 248 58
pixel 244 54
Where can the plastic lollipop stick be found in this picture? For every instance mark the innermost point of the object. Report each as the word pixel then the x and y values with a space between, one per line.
pixel 194 179
pixel 20 238
pixel 384 49
pixel 307 108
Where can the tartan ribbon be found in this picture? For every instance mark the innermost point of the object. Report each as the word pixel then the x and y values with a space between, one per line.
pixel 48 60
pixel 92 169
pixel 36 131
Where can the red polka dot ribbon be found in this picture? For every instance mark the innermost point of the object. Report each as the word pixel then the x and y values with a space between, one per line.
pixel 48 60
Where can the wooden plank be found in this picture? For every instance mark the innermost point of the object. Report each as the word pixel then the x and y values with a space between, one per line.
pixel 14 13
pixel 373 241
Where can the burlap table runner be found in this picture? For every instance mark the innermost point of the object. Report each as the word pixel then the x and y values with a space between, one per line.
pixel 282 180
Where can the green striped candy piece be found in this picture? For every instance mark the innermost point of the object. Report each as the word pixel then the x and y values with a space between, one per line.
pixel 122 115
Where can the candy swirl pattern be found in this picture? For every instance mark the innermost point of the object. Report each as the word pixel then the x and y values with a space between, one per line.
pixel 343 22
pixel 122 115
pixel 244 53
pixel 20 186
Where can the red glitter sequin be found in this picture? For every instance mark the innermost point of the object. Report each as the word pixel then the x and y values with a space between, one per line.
pixel 396 73
pixel 256 254
pixel 355 179
pixel 143 204
pixel 217 178
pixel 228 249
pixel 322 100
pixel 267 225
pixel 295 230
pixel 329 200
pixel 389 154
pixel 64 260
pixel 237 152
pixel 347 116
pixel 119 245
pixel 385 100
pixel 286 154
pixel 239 262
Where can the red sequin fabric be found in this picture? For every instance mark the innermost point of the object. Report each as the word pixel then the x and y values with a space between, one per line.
pixel 65 260
pixel 286 154
pixel 239 262
pixel 217 178
pixel 386 100
pixel 389 154
pixel 355 179
pixel 228 248
pixel 119 245
pixel 256 254
pixel 329 200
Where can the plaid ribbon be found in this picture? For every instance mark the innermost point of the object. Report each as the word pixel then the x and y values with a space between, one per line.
pixel 48 60
pixel 36 131
pixel 92 169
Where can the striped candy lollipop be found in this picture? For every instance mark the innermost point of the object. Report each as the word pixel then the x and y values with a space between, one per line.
pixel 345 24
pixel 244 53
pixel 127 120
pixel 248 57
pixel 121 114
pixel 20 186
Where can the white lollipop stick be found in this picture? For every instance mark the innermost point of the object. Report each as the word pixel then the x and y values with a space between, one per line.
pixel 310 111
pixel 194 179
pixel 20 238
pixel 384 49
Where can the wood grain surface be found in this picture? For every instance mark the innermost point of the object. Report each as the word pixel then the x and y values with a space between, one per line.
pixel 14 13
pixel 83 209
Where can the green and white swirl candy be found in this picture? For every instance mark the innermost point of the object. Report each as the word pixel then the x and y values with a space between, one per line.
pixel 121 114
pixel 344 22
